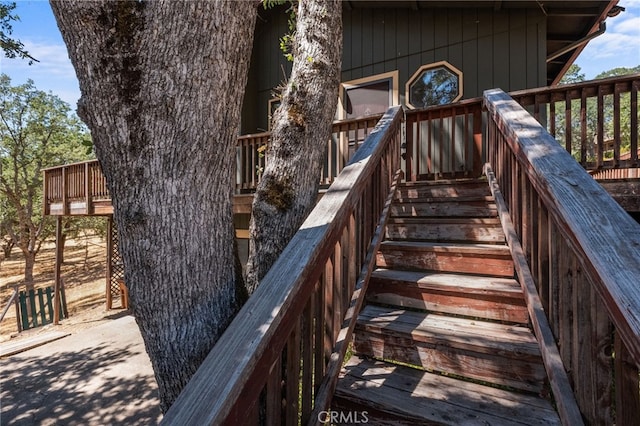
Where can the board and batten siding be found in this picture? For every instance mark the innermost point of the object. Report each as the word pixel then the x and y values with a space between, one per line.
pixel 494 49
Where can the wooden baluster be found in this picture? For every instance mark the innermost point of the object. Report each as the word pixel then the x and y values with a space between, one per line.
pixel 543 253
pixel 337 292
pixel 565 305
pixel 602 377
pixel 627 385
pixel 552 118
pixel 568 124
pixel 307 337
pixel 87 190
pixel 583 129
pixel 634 123
pixel 65 204
pixel 318 347
pixel 452 144
pixel 409 144
pixel 616 125
pixel 293 376
pixel 600 128
pixel 274 394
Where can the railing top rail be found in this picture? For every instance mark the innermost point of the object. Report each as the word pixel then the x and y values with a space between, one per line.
pixel 337 123
pixel 605 238
pixel 575 86
pixel 70 164
pixel 227 369
pixel 455 105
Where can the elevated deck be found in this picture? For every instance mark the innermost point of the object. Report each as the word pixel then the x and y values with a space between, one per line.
pixel 440 142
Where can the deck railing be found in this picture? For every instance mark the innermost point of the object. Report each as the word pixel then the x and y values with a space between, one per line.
pixel 79 182
pixel 596 121
pixel 444 141
pixel 584 253
pixel 280 357
pixel 84 182
pixel 347 136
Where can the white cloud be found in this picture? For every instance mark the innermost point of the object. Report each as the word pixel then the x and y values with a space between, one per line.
pixel 619 46
pixel 629 26
pixel 615 45
pixel 52 73
pixel 52 59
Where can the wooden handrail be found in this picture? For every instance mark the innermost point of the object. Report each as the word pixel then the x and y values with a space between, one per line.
pixel 558 380
pixel 287 330
pixel 584 252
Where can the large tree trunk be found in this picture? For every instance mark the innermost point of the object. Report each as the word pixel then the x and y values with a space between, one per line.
pixel 301 129
pixel 161 87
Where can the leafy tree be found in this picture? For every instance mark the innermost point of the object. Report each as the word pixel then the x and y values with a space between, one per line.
pixel 573 75
pixel 12 48
pixel 37 130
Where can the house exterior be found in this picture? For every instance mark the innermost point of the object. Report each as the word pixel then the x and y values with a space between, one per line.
pixel 395 51
pixel 423 53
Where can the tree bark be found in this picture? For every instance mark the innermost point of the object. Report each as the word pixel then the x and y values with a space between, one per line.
pixel 161 86
pixel 29 263
pixel 288 189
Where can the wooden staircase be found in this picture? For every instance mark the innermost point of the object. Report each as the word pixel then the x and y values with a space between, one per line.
pixel 444 337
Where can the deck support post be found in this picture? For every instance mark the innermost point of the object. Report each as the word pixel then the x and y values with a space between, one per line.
pixel 478 160
pixel 57 290
pixel 109 261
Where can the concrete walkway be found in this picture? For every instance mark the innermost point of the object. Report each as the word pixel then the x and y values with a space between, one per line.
pixel 97 377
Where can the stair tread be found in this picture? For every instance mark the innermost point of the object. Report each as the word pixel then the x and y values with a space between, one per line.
pixel 444 199
pixel 489 221
pixel 469 284
pixel 445 182
pixel 469 334
pixel 395 395
pixel 489 249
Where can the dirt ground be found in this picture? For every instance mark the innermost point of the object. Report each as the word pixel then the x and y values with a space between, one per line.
pixel 83 272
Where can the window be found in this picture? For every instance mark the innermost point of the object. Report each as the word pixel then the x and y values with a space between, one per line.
pixel 435 84
pixel 368 96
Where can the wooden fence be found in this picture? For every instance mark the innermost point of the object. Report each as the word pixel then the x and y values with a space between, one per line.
pixel 34 308
pixel 282 353
pixel 584 254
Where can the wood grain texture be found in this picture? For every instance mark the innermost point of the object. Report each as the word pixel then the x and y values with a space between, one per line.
pixel 605 239
pixel 560 385
pixel 396 395
pixel 446 230
pixel 464 295
pixel 482 259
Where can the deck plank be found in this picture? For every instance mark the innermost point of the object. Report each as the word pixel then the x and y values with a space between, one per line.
pixel 398 395
pixel 497 353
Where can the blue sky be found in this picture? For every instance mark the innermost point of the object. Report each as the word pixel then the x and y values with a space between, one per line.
pixel 618 47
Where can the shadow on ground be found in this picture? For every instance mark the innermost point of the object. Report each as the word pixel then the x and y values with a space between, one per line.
pixel 94 386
